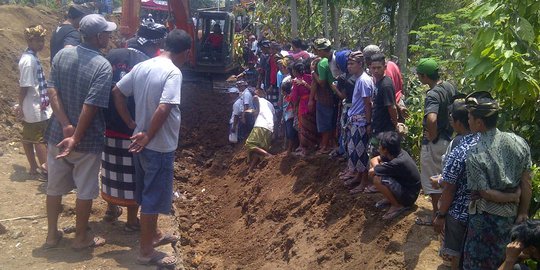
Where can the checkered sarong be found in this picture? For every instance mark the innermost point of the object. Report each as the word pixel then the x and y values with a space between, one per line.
pixel 117 172
pixel 357 148
pixel 41 80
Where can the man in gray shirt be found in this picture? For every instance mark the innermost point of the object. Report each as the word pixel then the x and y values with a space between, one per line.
pixel 80 87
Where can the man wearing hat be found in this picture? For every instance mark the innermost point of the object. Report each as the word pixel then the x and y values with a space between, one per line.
pixel 67 34
pixel 499 162
pixel 118 185
pixel 437 129
pixel 326 106
pixel 79 90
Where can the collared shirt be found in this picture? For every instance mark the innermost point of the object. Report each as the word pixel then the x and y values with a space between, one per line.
pixel 497 162
pixel 81 76
pixel 454 173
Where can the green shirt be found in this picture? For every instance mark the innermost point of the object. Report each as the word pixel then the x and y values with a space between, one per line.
pixel 497 162
pixel 323 69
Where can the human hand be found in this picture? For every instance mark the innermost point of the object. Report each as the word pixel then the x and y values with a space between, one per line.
pixel 139 141
pixel 311 105
pixel 521 218
pixel 68 131
pixel 513 250
pixel 131 124
pixel 438 224
pixel 66 145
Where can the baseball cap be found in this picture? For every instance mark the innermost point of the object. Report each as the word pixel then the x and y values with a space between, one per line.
pixel 322 44
pixel 94 23
pixel 233 90
pixel 427 66
pixel 150 32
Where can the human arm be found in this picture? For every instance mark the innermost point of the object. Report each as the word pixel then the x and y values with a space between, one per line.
pixel 235 124
pixel 499 196
pixel 22 95
pixel 59 113
pixel 431 126
pixel 513 251
pixel 368 108
pixel 141 139
pixel 121 107
pixel 335 88
pixel 85 118
pixel 392 111
pixel 525 199
pixel 445 202
pixel 312 94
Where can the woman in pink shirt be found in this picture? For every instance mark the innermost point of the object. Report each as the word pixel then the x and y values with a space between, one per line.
pixel 300 92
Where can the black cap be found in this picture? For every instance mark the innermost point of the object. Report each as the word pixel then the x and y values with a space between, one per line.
pixel 481 104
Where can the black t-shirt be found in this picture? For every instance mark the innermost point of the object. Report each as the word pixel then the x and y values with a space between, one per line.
pixel 403 169
pixel 437 101
pixel 122 61
pixel 383 96
pixel 345 83
pixel 64 35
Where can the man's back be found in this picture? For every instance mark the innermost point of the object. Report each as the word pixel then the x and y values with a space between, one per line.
pixel 81 76
pixel 64 35
pixel 265 119
pixel 497 162
pixel 153 82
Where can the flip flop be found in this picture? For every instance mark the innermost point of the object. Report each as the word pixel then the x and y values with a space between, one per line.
pixel 423 222
pixel 111 216
pixel 389 216
pixel 60 235
pixel 356 190
pixel 371 190
pixel 382 204
pixel 132 227
pixel 158 259
pixel 167 239
pixel 96 242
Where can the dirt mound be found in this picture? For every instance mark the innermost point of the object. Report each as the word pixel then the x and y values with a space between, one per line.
pixel 12 23
pixel 290 213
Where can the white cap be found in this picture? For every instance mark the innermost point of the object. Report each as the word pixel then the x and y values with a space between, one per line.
pixel 94 24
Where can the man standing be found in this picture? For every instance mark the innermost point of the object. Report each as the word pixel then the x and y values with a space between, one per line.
pixel 155 85
pixel 80 87
pixel 117 177
pixel 33 105
pixel 67 35
pixel 359 122
pixel 437 129
pixel 384 99
pixel 326 105
pixel 500 162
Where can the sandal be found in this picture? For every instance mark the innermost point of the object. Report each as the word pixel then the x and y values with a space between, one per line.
pixel 159 259
pixel 132 227
pixel 423 222
pixel 356 190
pixel 96 242
pixel 382 204
pixel 371 190
pixel 59 236
pixel 394 214
pixel 167 239
pixel 111 216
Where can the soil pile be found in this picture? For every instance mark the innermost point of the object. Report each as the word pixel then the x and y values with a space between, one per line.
pixel 290 213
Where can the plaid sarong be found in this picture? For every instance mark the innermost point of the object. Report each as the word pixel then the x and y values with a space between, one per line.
pixel 44 97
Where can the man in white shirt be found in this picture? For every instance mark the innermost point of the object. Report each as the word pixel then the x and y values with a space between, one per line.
pixel 237 109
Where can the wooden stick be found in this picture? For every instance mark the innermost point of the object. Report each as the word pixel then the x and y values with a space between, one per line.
pixel 24 217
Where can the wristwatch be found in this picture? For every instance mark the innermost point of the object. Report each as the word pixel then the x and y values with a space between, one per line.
pixel 440 215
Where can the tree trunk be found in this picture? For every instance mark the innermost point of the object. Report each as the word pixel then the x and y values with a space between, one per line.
pixel 402 37
pixel 325 16
pixel 334 15
pixel 294 19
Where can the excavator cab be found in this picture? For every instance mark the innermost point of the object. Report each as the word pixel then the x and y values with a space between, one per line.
pixel 213 42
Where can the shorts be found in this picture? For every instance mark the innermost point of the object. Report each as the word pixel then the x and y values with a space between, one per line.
pixel 34 132
pixel 154 181
pixel 454 237
pixel 290 131
pixel 326 117
pixel 78 170
pixel 259 137
pixel 404 196
pixel 431 164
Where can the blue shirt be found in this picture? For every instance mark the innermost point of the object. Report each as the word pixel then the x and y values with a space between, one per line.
pixel 362 89
pixel 454 173
pixel 81 76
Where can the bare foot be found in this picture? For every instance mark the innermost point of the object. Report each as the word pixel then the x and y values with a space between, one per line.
pixel 89 242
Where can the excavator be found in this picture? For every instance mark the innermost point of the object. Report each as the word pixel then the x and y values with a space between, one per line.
pixel 212 31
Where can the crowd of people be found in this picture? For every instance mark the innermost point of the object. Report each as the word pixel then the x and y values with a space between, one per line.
pixel 116 118
pixel 349 104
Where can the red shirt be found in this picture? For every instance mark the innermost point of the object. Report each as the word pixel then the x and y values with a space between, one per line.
pixel 392 71
pixel 273 70
pixel 215 40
